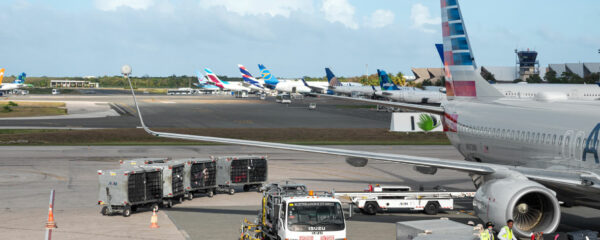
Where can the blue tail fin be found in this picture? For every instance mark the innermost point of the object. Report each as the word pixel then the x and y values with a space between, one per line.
pixel 333 81
pixel 385 82
pixel 247 77
pixel 267 76
pixel 21 78
pixel 440 49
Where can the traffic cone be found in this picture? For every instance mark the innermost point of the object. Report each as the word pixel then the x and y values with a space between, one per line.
pixel 154 220
pixel 51 224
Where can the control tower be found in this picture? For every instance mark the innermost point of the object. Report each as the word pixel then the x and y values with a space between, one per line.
pixel 527 64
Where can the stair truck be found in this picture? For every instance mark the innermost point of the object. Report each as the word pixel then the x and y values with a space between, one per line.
pixel 250 172
pixel 128 189
pixel 172 179
pixel 289 211
pixel 199 176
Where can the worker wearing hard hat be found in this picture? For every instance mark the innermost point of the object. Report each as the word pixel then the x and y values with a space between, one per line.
pixel 506 233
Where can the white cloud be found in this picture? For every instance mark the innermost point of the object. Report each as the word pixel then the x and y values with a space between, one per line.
pixel 112 5
pixel 339 11
pixel 381 18
pixel 422 19
pixel 260 7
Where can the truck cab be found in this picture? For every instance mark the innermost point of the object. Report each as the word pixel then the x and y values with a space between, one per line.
pixel 291 212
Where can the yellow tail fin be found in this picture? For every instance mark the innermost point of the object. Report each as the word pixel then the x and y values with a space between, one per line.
pixel 1 74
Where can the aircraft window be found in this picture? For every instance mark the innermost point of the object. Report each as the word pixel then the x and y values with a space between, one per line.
pixel 567 139
pixel 560 140
pixel 578 143
pixel 554 139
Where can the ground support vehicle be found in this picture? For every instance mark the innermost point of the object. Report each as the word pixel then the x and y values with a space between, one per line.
pixel 128 189
pixel 172 180
pixel 289 211
pixel 249 172
pixel 199 176
pixel 379 199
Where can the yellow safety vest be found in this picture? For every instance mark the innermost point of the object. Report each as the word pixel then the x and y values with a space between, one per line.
pixel 507 233
pixel 485 235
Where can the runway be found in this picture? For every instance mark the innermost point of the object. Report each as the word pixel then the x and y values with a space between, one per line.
pixel 28 173
pixel 215 111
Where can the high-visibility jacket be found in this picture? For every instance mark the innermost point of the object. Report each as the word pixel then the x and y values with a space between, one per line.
pixel 486 235
pixel 506 234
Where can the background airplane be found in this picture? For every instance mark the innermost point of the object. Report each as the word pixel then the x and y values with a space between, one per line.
pixel 288 86
pixel 227 86
pixel 348 89
pixel 391 91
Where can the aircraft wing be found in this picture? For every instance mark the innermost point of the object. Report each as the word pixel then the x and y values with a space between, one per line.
pixel 410 106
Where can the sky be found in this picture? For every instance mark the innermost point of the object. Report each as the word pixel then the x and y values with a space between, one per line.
pixel 293 38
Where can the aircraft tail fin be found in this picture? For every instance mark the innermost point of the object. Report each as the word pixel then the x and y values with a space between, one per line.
pixel 385 82
pixel 213 78
pixel 247 76
pixel 267 76
pixel 21 78
pixel 332 79
pixel 1 74
pixel 463 79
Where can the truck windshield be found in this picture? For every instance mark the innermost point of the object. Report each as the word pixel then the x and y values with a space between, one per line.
pixel 315 216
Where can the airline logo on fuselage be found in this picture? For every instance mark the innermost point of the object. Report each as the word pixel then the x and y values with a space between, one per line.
pixel 591 145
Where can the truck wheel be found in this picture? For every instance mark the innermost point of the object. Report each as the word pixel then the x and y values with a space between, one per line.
pixel 431 208
pixel 126 211
pixel 210 193
pixel 231 191
pixel 246 188
pixel 104 211
pixel 154 207
pixel 370 208
pixel 190 196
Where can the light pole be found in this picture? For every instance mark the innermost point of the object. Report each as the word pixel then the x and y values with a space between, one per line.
pixel 126 71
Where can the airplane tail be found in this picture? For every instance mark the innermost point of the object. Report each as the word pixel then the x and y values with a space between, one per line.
pixel 247 77
pixel 332 79
pixel 21 78
pixel 1 74
pixel 463 79
pixel 267 76
pixel 385 82
pixel 201 79
pixel 213 78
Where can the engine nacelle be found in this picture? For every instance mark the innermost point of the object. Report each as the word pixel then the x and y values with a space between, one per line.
pixel 533 207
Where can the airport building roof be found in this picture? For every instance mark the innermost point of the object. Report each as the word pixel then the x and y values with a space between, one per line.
pixel 581 69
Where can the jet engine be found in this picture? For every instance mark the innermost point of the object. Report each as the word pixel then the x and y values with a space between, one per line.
pixel 533 207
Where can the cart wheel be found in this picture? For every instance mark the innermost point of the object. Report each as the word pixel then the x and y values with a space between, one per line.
pixel 170 203
pixel 134 208
pixel 246 188
pixel 210 193
pixel 180 200
pixel 154 207
pixel 190 196
pixel 258 187
pixel 431 208
pixel 104 211
pixel 126 211
pixel 370 208
pixel 231 191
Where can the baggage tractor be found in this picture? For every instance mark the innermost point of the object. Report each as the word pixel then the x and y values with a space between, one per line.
pixel 246 171
pixel 128 189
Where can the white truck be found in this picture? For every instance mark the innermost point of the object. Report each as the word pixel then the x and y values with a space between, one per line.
pixel 384 198
pixel 289 211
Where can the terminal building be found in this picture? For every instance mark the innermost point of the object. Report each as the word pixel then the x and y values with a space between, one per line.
pixel 581 69
pixel 73 84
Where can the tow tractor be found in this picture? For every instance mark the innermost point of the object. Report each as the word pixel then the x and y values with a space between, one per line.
pixel 383 198
pixel 289 211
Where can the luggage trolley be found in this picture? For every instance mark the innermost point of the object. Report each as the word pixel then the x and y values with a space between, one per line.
pixel 246 171
pixel 172 180
pixel 127 189
pixel 199 176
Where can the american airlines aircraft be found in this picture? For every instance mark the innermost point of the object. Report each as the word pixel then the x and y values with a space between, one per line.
pixel 223 84
pixel 391 91
pixel 346 88
pixel 522 168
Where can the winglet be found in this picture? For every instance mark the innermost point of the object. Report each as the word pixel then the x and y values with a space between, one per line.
pixel 137 107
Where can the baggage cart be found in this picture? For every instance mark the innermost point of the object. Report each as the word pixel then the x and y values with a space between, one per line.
pixel 127 189
pixel 249 172
pixel 199 176
pixel 172 180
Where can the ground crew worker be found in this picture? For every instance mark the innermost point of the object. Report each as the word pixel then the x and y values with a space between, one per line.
pixel 488 233
pixel 507 233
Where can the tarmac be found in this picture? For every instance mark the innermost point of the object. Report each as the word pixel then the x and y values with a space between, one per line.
pixel 27 173
pixel 204 111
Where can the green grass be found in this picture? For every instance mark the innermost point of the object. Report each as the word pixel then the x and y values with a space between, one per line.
pixel 22 131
